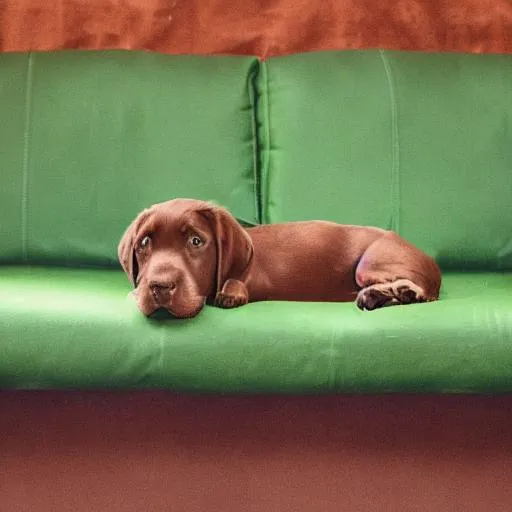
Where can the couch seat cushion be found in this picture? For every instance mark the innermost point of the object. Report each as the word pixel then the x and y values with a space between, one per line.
pixel 69 328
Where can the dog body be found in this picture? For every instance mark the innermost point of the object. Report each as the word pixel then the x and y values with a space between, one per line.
pixel 183 253
pixel 306 261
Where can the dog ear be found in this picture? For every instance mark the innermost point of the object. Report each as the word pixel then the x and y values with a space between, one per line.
pixel 126 248
pixel 234 246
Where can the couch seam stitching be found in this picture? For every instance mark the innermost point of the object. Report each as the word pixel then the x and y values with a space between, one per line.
pixel 161 354
pixel 25 161
pixel 266 164
pixel 395 146
pixel 332 367
pixel 255 140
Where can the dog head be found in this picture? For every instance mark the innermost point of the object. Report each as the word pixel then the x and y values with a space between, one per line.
pixel 178 254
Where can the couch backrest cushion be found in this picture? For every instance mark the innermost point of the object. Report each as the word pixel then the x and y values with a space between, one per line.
pixel 419 143
pixel 91 138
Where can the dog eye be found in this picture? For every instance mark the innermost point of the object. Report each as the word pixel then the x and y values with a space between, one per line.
pixel 196 241
pixel 144 243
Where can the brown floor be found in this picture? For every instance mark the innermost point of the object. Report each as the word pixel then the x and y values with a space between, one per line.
pixel 157 451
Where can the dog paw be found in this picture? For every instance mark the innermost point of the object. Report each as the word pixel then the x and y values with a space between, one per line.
pixel 224 300
pixel 401 291
pixel 374 297
pixel 407 292
pixel 233 294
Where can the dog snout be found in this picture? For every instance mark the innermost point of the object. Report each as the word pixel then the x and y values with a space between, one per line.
pixel 162 291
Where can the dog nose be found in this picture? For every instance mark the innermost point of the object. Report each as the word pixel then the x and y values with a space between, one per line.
pixel 162 291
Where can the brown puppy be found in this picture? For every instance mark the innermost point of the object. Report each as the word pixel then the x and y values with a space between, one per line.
pixel 183 253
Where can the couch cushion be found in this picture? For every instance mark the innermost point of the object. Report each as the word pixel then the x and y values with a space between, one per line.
pixel 77 328
pixel 91 138
pixel 419 143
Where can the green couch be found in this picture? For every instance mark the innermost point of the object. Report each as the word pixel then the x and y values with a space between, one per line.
pixel 418 143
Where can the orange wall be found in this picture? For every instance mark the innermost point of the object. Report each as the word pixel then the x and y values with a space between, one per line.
pixel 264 27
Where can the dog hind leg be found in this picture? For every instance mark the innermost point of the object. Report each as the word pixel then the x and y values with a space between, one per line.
pixel 393 272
